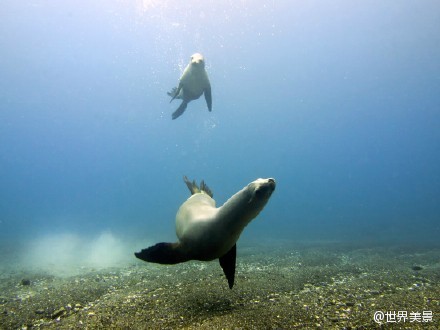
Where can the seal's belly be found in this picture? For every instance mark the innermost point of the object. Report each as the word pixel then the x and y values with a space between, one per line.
pixel 208 240
pixel 202 234
pixel 193 85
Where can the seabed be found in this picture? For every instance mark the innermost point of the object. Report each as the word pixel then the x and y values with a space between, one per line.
pixel 282 286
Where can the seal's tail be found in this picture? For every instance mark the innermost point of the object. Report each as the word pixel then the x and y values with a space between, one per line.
pixel 192 186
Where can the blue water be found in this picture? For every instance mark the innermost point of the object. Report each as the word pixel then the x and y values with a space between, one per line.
pixel 339 101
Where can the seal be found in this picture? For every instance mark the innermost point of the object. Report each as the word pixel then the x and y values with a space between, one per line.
pixel 193 83
pixel 205 232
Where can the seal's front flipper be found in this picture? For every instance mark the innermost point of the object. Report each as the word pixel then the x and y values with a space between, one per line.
pixel 208 97
pixel 228 264
pixel 180 110
pixel 162 253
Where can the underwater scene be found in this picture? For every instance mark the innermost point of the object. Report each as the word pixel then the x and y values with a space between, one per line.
pixel 210 164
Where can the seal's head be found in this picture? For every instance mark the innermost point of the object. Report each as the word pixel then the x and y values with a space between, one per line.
pixel 246 204
pixel 197 60
pixel 260 191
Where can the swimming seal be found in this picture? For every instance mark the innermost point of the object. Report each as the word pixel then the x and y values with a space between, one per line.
pixel 205 232
pixel 193 83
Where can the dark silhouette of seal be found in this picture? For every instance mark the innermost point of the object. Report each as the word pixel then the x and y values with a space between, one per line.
pixel 193 83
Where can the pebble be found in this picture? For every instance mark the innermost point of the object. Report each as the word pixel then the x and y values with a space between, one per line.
pixel 25 281
pixel 59 312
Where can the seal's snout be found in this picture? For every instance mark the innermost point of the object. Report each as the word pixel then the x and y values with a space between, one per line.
pixel 270 186
pixel 271 183
pixel 264 188
pixel 199 63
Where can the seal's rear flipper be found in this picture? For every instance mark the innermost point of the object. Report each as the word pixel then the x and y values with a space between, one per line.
pixel 228 264
pixel 181 109
pixel 172 92
pixel 162 253
pixel 175 93
pixel 194 188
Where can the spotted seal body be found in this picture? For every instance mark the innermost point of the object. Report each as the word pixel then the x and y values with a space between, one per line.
pixel 193 83
pixel 206 232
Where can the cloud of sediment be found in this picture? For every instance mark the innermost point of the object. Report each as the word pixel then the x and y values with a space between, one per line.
pixel 69 253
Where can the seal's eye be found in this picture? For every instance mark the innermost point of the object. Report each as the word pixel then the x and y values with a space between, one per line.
pixel 259 192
